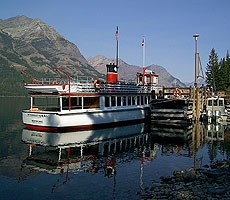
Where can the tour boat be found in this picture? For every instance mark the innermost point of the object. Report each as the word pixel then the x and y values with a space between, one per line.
pixel 61 105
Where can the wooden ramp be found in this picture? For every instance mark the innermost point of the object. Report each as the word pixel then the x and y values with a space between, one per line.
pixel 171 111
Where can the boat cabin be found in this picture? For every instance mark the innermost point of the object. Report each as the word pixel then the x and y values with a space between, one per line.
pixel 62 103
pixel 215 109
pixel 215 104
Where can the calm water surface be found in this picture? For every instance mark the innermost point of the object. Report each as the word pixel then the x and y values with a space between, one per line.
pixel 114 163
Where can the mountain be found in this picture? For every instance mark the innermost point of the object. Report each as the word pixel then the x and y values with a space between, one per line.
pixel 31 45
pixel 128 72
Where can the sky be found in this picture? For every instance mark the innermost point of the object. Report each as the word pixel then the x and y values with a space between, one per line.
pixel 167 25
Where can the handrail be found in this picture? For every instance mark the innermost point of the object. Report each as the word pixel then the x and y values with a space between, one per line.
pixel 68 76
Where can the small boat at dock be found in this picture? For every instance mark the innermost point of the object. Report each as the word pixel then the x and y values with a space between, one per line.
pixel 215 110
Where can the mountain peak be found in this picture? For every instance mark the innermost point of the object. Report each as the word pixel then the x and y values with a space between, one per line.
pixel 15 21
pixel 128 72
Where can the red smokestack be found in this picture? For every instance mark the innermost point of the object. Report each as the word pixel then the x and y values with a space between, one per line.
pixel 112 73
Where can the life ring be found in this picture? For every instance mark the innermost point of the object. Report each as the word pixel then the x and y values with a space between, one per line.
pixel 97 84
pixel 54 82
pixel 177 92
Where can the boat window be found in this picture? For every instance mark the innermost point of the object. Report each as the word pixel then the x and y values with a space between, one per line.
pixel 215 102
pixel 124 101
pixel 113 101
pixel 106 101
pixel 149 99
pixel 76 103
pixel 129 100
pixel 146 99
pixel 138 100
pixel 221 102
pixel 118 101
pixel 133 100
pixel 91 102
pixel 46 103
pixel 209 102
pixel 142 100
pixel 65 103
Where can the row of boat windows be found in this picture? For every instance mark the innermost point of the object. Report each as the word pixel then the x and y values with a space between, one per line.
pixel 215 102
pixel 112 101
pixel 109 101
pixel 80 103
pixel 53 104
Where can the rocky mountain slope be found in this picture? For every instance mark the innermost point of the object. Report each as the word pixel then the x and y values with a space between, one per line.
pixel 42 47
pixel 128 72
pixel 31 45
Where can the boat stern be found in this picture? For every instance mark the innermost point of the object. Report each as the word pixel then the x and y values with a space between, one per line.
pixel 36 120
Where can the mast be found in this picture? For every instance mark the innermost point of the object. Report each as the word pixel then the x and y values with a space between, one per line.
pixel 143 60
pixel 117 46
pixel 112 68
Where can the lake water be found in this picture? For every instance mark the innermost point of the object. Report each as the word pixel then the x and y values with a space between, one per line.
pixel 78 165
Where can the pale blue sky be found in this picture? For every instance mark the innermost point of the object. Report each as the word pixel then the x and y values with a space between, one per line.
pixel 168 26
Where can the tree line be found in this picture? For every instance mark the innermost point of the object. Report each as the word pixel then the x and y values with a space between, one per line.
pixel 218 71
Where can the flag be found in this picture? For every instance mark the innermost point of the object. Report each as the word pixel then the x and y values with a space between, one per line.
pixel 116 34
pixel 143 42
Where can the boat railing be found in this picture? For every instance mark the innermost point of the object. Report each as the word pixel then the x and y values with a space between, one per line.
pixel 84 84
pixel 128 88
pixel 112 88
pixel 52 81
pixel 60 80
pixel 83 79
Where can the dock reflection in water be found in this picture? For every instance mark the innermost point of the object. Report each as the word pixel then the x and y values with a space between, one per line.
pixel 192 141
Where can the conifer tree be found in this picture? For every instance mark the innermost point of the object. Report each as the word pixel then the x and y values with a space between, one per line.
pixel 212 70
pixel 227 64
pixel 222 75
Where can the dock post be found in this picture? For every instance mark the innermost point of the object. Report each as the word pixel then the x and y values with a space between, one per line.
pixel 196 102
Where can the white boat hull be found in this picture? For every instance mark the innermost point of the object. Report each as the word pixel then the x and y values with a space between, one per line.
pixel 82 120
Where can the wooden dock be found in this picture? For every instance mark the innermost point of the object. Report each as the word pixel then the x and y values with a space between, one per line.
pixel 174 106
pixel 182 105
pixel 173 111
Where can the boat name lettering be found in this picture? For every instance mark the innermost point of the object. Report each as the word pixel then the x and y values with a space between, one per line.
pixel 35 141
pixel 35 135
pixel 37 121
pixel 35 115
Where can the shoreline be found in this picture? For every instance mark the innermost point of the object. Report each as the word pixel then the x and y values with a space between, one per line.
pixel 208 182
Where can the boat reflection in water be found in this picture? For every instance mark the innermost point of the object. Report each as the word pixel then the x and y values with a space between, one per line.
pixel 215 132
pixel 55 152
pixel 84 150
